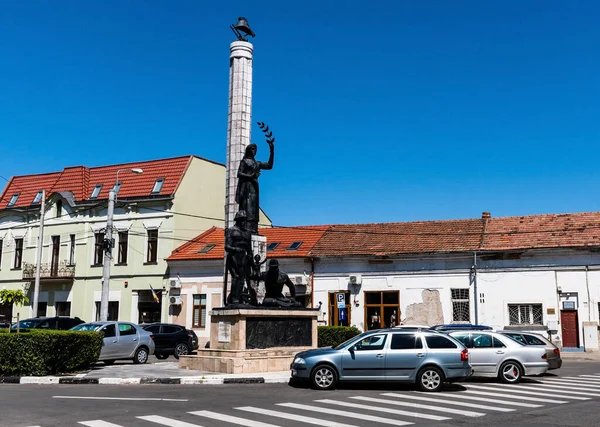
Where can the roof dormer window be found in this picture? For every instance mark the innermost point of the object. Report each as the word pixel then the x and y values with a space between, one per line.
pixel 96 191
pixel 13 200
pixel 38 197
pixel 158 185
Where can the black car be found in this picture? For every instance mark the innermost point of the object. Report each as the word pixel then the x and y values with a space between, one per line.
pixel 170 339
pixel 61 323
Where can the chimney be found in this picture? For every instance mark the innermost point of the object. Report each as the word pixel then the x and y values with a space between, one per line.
pixel 486 215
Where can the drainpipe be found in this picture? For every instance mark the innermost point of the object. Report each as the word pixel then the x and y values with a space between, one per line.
pixel 475 294
pixel 587 285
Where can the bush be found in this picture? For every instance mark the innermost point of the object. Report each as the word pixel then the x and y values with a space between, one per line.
pixel 334 335
pixel 48 352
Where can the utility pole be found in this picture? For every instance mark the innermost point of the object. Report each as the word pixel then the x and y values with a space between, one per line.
pixel 36 289
pixel 107 257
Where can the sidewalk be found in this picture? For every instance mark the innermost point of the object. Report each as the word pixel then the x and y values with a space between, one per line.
pixel 581 355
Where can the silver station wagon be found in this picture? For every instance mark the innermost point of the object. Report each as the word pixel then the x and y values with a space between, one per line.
pixel 496 355
pixel 427 358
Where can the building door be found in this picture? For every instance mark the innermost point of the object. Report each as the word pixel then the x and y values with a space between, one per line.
pixel 149 308
pixel 339 316
pixel 382 309
pixel 55 253
pixel 569 322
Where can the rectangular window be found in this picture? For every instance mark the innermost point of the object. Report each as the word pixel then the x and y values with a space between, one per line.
pixel 13 200
pixel 525 314
pixel 152 246
pixel 72 250
pixel 37 198
pixel 158 186
pixel 96 191
pixel 113 311
pixel 42 309
pixel 461 310
pixel 123 240
pixel 58 208
pixel 199 310
pixel 98 248
pixel 117 187
pixel 2 244
pixel 405 342
pixel 63 308
pixel 18 253
pixel 382 309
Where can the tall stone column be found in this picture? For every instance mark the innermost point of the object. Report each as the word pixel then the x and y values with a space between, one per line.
pixel 239 120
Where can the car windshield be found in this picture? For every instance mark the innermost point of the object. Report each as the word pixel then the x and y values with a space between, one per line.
pixel 27 323
pixel 345 343
pixel 87 327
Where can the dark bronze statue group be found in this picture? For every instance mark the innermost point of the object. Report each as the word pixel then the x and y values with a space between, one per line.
pixel 241 263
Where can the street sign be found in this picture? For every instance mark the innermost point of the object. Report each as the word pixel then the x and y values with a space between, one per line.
pixel 341 299
pixel 342 314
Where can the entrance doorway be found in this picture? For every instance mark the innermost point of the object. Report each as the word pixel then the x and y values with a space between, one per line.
pixel 382 309
pixel 569 322
pixel 149 310
pixel 337 315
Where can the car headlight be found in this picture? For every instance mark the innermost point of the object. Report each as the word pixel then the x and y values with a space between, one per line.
pixel 299 361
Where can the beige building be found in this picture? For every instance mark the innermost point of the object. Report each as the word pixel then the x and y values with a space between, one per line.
pixel 156 211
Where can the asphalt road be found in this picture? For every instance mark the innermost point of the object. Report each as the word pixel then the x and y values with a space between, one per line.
pixel 536 402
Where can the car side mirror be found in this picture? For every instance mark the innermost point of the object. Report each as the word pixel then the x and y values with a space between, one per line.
pixel 352 349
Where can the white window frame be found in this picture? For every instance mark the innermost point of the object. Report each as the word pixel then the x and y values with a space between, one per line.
pixel 461 300
pixel 158 183
pixel 530 306
pixel 13 200
pixel 96 191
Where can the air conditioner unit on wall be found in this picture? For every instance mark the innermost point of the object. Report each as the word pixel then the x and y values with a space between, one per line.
pixel 175 284
pixel 175 300
pixel 356 279
pixel 301 280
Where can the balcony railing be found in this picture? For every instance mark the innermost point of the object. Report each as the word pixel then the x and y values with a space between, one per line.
pixel 61 270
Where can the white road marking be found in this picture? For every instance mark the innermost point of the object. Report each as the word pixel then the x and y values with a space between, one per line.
pixel 449 402
pixel 509 396
pixel 120 398
pixel 230 419
pixel 533 391
pixel 380 409
pixel 573 383
pixel 460 395
pixel 594 378
pixel 355 415
pixel 419 406
pixel 98 423
pixel 169 422
pixel 287 416
pixel 558 391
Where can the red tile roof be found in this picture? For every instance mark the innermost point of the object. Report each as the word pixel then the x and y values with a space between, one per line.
pixel 542 231
pixel 285 236
pixel 81 181
pixel 389 239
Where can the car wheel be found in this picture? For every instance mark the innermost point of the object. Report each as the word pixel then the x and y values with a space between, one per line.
pixel 430 379
pixel 510 372
pixel 181 349
pixel 141 355
pixel 161 356
pixel 109 362
pixel 324 377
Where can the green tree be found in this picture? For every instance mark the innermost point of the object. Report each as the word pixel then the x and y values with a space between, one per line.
pixel 14 296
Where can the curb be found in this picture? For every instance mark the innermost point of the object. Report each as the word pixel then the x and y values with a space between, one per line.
pixel 143 380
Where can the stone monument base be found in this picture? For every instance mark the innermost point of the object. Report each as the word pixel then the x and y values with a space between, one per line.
pixel 253 340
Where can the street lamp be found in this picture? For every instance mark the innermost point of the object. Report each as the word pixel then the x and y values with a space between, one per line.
pixel 108 245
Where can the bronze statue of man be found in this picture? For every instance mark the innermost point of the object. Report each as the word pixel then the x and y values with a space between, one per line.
pixel 238 245
pixel 247 194
pixel 274 280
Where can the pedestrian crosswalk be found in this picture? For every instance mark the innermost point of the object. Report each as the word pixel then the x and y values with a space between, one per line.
pixel 401 408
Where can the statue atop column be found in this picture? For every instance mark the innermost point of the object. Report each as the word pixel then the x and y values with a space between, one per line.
pixel 247 193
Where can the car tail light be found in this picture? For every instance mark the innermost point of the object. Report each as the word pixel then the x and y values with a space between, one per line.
pixel 544 357
pixel 152 337
pixel 557 352
pixel 464 355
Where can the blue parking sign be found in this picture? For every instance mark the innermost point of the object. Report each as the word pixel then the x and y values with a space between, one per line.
pixel 342 314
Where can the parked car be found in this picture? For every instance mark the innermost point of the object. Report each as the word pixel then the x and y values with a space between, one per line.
pixel 411 327
pixel 496 355
pixel 427 358
pixel 58 322
pixel 461 327
pixel 122 340
pixel 171 339
pixel 528 338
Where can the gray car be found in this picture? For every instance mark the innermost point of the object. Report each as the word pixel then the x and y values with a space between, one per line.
pixel 122 340
pixel 427 358
pixel 498 356
pixel 528 338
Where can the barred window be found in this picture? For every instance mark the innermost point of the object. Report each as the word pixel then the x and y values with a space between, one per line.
pixel 525 314
pixel 461 310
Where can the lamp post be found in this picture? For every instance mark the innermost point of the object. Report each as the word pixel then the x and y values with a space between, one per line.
pixel 108 246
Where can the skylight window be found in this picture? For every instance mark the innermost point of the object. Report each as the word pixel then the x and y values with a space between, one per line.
pixel 206 248
pixel 158 185
pixel 38 197
pixel 96 191
pixel 272 246
pixel 13 200
pixel 294 246
pixel 117 187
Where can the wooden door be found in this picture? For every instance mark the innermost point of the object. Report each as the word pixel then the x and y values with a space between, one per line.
pixel 568 320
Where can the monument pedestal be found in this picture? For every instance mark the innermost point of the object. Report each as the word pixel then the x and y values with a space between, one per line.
pixel 253 340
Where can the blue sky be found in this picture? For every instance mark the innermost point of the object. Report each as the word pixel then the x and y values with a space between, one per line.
pixel 383 111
